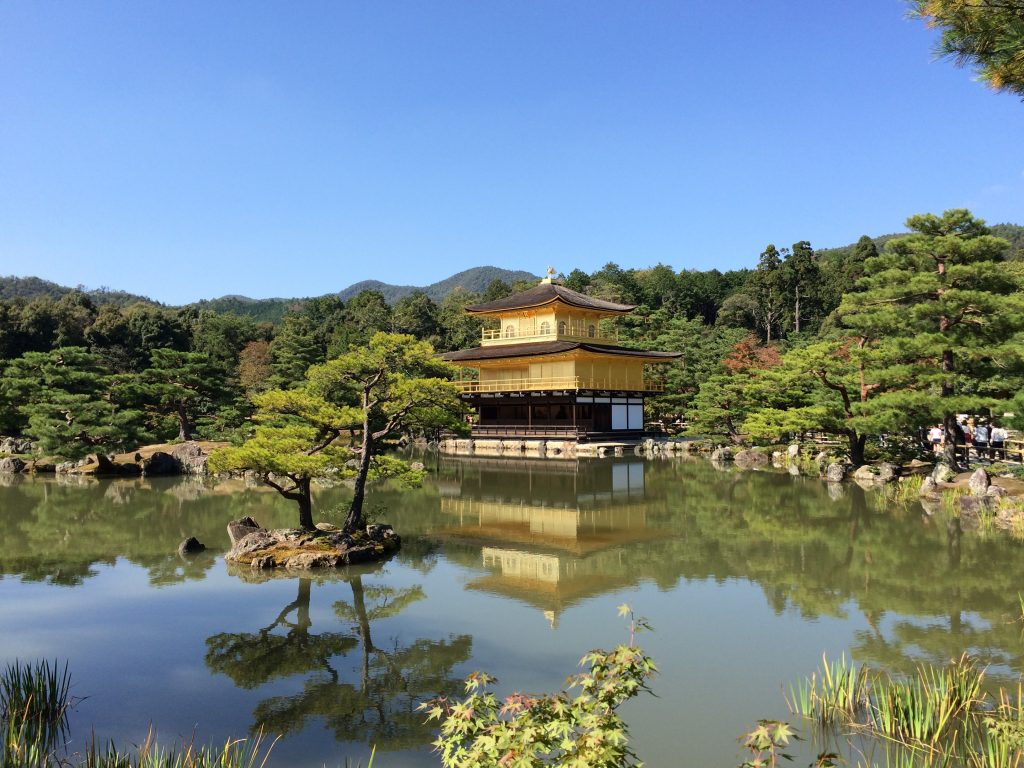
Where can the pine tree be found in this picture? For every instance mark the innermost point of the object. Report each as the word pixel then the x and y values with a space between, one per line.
pixel 986 33
pixel 73 406
pixel 293 350
pixel 728 396
pixel 939 313
pixel 817 388
pixel 393 383
pixel 184 385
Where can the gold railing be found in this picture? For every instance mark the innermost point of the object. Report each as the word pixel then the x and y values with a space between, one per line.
pixel 489 336
pixel 527 384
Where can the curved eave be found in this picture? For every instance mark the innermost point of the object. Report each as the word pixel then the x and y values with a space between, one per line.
pixel 545 294
pixel 508 351
pixel 603 312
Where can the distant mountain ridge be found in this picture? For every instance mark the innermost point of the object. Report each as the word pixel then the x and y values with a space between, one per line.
pixel 29 288
pixel 476 279
pixel 273 309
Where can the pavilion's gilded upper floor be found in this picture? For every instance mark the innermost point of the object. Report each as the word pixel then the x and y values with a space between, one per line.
pixel 548 312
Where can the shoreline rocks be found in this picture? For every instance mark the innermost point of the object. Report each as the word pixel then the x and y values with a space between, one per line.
pixel 179 460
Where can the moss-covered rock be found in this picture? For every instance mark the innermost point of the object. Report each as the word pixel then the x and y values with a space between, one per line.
pixel 298 549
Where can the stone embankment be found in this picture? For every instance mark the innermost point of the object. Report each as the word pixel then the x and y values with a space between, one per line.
pixel 557 449
pixel 296 549
pixel 154 460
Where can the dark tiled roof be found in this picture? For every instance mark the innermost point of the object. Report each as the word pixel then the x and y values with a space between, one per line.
pixel 500 351
pixel 545 293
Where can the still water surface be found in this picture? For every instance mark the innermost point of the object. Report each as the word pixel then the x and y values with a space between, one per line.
pixel 514 567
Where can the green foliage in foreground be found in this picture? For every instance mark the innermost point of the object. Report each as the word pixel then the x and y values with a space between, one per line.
pixel 581 730
pixel 986 34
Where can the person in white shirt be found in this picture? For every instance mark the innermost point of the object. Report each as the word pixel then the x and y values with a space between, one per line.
pixel 998 438
pixel 981 438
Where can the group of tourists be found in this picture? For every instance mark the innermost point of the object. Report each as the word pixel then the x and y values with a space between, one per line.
pixel 986 440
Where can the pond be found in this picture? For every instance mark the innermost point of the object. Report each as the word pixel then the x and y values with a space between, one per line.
pixel 510 566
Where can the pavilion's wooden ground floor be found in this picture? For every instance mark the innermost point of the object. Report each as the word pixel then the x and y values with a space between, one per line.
pixel 574 415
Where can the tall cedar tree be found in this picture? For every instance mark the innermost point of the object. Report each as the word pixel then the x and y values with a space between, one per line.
pixel 767 288
pixel 940 313
pixel 394 383
pixel 802 277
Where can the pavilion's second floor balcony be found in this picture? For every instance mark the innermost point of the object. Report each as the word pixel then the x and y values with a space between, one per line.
pixel 559 384
pixel 510 334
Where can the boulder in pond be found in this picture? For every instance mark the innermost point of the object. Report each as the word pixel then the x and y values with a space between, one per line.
pixel 995 492
pixel 10 465
pixel 876 473
pixel 835 472
pixel 793 451
pixel 865 473
pixel 928 487
pixel 100 465
pixel 252 545
pixel 159 463
pixel 979 482
pixel 972 507
pixel 242 527
pixel 943 473
pixel 888 472
pixel 191 458
pixel 722 454
pixel 751 459
pixel 191 546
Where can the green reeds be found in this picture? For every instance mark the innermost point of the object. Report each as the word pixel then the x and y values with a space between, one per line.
pixel 837 696
pixel 937 717
pixel 34 703
pixel 236 753
pixel 927 707
pixel 35 699
pixel 901 494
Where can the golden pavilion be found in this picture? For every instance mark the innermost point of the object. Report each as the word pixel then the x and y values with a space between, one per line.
pixel 549 370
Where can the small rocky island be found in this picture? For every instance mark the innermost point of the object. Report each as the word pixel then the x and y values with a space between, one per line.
pixel 298 549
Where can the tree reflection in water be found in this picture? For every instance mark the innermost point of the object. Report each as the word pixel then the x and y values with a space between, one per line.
pixel 378 705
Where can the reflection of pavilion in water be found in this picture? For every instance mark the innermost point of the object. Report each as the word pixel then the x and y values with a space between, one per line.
pixel 551 533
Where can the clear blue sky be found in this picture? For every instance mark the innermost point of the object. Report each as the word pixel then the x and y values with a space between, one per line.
pixel 185 150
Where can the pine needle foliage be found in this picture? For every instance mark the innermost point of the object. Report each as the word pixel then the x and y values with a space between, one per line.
pixel 939 318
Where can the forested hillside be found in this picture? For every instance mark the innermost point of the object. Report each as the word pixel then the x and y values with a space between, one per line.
pixel 269 310
pixel 28 288
pixel 782 347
